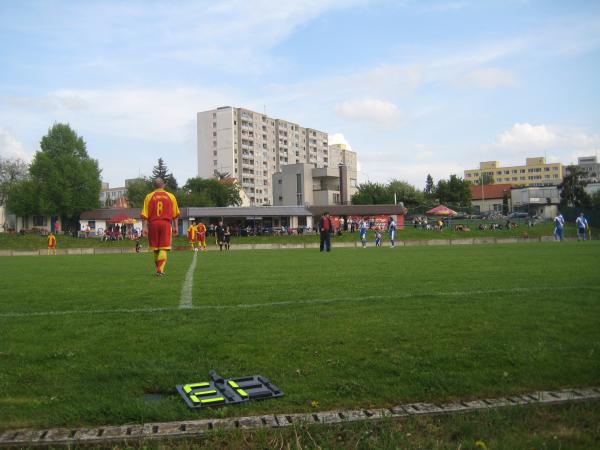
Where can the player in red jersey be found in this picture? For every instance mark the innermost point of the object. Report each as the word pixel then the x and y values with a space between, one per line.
pixel 159 212
pixel 201 236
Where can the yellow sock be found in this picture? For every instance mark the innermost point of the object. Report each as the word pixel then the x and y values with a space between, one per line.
pixel 161 260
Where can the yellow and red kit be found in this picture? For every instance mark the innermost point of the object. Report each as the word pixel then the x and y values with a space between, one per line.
pixel 191 234
pixel 51 241
pixel 201 234
pixel 160 208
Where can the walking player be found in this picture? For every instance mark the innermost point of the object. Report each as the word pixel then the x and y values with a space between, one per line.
pixel 51 243
pixel 192 233
pixel 582 228
pixel 201 236
pixel 159 212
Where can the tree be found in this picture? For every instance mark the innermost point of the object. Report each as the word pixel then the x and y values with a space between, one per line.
pixel 137 190
pixel 12 171
pixel 161 171
pixel 63 180
pixel 209 192
pixel 454 190
pixel 572 188
pixel 429 187
pixel 405 193
pixel 372 194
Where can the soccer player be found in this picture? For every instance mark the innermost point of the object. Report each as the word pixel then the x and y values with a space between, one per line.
pixel 392 231
pixel 362 227
pixel 192 235
pixel 582 227
pixel 51 243
pixel 559 224
pixel 201 235
pixel 159 211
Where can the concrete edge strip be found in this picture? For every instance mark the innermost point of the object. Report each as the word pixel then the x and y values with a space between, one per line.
pixel 288 246
pixel 397 295
pixel 185 301
pixel 196 428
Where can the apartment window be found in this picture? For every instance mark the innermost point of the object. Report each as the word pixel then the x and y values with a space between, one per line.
pixel 214 115
pixel 214 153
pixel 214 162
pixel 279 181
pixel 214 134
pixel 214 124
pixel 214 143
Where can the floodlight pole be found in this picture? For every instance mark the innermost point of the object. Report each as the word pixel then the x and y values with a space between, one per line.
pixel 482 191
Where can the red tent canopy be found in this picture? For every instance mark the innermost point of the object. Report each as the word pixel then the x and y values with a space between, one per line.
pixel 441 210
pixel 122 218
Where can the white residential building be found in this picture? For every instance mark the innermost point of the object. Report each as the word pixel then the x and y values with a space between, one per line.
pixel 252 146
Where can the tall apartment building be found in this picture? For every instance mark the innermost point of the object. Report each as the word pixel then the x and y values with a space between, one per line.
pixel 591 167
pixel 535 172
pixel 251 147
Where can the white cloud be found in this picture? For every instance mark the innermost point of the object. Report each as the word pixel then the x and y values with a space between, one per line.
pixel 380 112
pixel 11 147
pixel 339 138
pixel 149 114
pixel 490 78
pixel 523 137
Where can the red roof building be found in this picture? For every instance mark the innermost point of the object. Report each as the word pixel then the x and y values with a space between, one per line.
pixel 489 198
pixel 490 191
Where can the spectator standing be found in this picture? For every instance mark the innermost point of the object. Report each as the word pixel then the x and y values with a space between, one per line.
pixel 582 228
pixel 559 224
pixel 227 238
pixel 325 227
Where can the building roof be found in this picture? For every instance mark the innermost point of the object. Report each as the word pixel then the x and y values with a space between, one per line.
pixel 246 211
pixel 490 191
pixel 256 211
pixel 107 213
pixel 358 210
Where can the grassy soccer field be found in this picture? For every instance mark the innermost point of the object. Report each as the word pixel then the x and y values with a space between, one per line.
pixel 84 338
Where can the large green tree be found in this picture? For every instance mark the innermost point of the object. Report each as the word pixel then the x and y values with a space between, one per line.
pixel 12 171
pixel 64 180
pixel 372 194
pixel 161 171
pixel 455 190
pixel 209 192
pixel 572 188
pixel 137 190
pixel 406 193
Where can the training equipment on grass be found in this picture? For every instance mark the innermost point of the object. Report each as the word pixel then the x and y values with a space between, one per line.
pixel 226 391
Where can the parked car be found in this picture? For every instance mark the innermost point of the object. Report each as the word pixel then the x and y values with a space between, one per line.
pixel 518 215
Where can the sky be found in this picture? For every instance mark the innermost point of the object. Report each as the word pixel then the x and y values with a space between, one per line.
pixel 415 87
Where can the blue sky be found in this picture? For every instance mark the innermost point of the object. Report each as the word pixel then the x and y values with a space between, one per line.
pixel 415 87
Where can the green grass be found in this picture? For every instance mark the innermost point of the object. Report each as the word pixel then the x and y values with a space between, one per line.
pixel 34 241
pixel 352 328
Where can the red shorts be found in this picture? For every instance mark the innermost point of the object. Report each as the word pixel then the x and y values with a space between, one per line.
pixel 191 239
pixel 159 235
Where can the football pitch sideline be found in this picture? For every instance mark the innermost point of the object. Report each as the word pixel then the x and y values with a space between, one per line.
pixel 85 339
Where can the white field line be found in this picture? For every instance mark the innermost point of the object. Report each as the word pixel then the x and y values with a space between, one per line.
pixel 301 302
pixel 185 301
